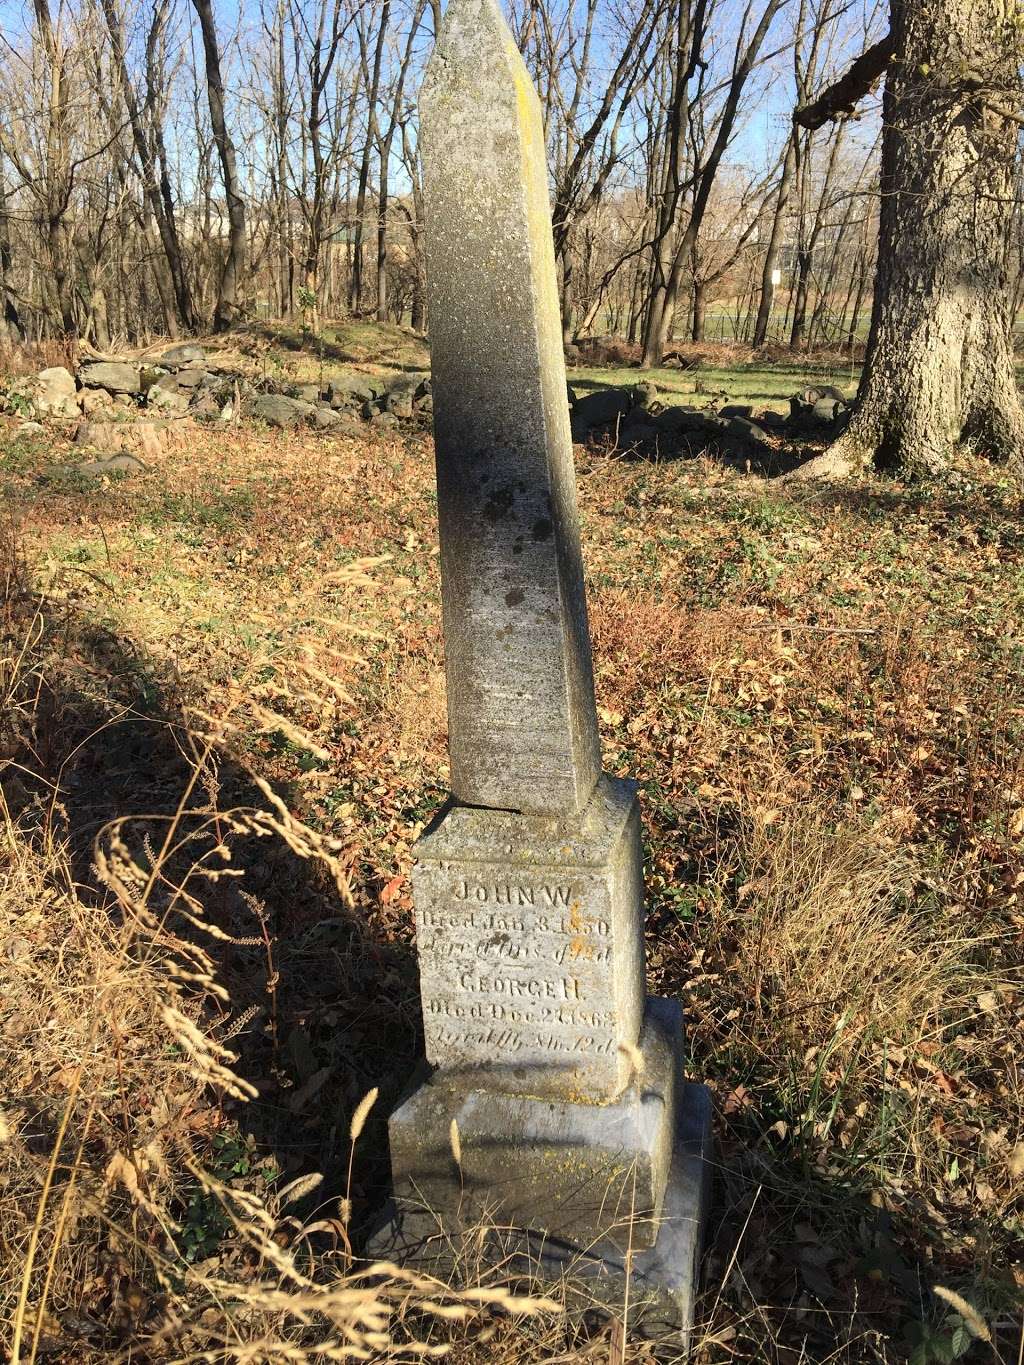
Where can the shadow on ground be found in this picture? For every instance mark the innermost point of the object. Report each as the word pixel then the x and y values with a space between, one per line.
pixel 326 1003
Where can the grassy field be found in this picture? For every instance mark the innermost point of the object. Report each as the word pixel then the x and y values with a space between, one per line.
pixel 223 727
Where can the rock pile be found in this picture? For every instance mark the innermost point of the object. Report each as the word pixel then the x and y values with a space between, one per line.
pixel 184 382
pixel 817 407
pixel 636 419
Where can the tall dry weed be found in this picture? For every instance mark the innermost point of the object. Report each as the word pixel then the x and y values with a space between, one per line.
pixel 837 923
pixel 118 1079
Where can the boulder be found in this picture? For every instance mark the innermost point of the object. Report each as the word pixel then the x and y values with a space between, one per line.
pixel 112 375
pixel 186 354
pixel 146 436
pixel 736 410
pixel 399 402
pixel 645 395
pixel 425 404
pixel 383 420
pixel 309 393
pixel 98 469
pixel 681 421
pixel 205 407
pixel 828 409
pixel 150 375
pixel 278 411
pixel 54 393
pixel 190 378
pixel 403 391
pixel 352 390
pixel 820 391
pixel 747 431
pixel 167 397
pixel 603 408
pixel 94 402
pixel 112 464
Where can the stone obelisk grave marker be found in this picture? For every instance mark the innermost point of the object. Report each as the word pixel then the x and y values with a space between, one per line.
pixel 555 1104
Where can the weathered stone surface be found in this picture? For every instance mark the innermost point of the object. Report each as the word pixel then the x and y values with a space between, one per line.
pixel 352 390
pixel 383 420
pixel 603 408
pixel 146 436
pixel 186 354
pixel 660 1282
pixel 54 393
pixel 828 409
pixel 325 418
pixel 120 465
pixel 190 378
pixel 681 420
pixel 112 375
pixel 167 397
pixel 577 1170
pixel 278 411
pixel 95 402
pixel 529 934
pixel 520 689
pixel 347 425
pixel 747 431
pixel 528 887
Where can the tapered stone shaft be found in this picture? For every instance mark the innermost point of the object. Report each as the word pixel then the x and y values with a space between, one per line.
pixel 523 733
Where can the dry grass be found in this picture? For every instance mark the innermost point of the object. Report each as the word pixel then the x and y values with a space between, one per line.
pixel 114 1032
pixel 222 729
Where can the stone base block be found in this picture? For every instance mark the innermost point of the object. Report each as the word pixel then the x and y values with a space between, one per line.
pixel 660 1282
pixel 582 1171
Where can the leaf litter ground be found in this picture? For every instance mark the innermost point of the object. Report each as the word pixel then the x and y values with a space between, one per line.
pixel 821 693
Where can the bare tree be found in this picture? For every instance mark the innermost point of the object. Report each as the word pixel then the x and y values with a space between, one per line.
pixel 234 261
pixel 673 250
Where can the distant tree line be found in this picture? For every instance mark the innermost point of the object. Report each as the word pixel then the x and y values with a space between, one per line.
pixel 164 169
pixel 719 168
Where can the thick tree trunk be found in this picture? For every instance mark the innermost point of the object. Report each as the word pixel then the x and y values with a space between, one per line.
pixel 940 367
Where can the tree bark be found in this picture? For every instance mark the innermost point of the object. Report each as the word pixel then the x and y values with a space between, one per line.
pixel 356 286
pixel 699 311
pixel 12 323
pixel 234 262
pixel 940 369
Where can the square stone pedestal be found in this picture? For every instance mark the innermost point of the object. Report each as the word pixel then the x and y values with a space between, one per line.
pixel 611 1198
pixel 553 1135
